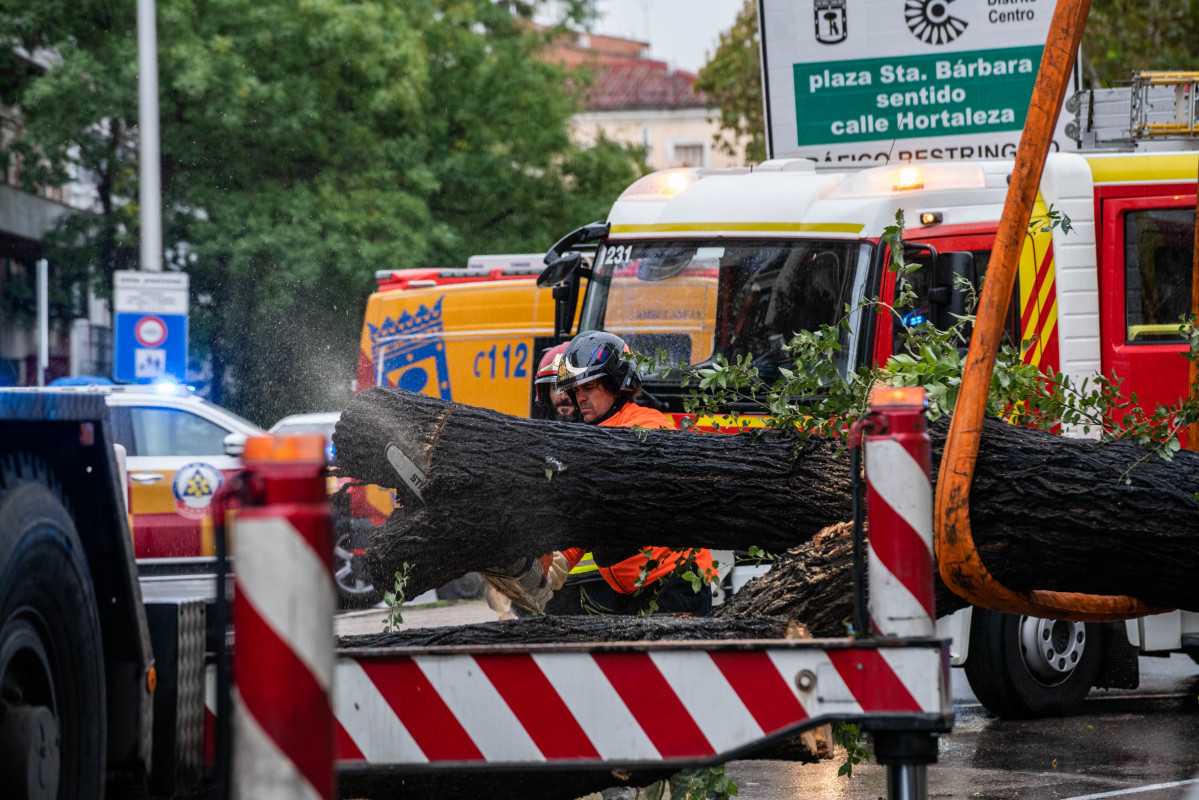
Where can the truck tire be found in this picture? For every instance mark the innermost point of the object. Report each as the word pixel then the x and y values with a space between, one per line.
pixel 1025 667
pixel 464 587
pixel 51 654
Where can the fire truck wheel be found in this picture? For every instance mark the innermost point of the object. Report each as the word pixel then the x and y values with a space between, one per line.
pixel 464 587
pixel 52 701
pixel 1026 667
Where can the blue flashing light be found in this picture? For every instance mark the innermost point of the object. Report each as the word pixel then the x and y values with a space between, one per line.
pixel 166 386
pixel 914 318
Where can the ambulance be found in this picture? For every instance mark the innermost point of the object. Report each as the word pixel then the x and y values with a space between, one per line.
pixel 473 335
pixel 733 262
pixel 476 335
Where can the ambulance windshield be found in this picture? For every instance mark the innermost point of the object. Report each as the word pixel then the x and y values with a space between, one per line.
pixel 696 298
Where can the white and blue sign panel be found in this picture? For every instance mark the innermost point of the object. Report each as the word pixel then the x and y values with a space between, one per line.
pixel 150 310
pixel 150 347
pixel 867 82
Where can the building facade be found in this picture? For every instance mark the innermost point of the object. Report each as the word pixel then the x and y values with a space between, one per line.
pixel 636 100
pixel 80 340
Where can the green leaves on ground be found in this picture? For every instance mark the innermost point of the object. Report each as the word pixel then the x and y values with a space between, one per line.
pixel 850 737
pixel 394 600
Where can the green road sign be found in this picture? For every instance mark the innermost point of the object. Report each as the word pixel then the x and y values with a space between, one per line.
pixel 912 97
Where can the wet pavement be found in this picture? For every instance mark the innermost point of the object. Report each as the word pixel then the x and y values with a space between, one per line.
pixel 418 615
pixel 1142 745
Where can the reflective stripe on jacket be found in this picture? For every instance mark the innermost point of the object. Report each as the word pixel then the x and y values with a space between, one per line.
pixel 581 562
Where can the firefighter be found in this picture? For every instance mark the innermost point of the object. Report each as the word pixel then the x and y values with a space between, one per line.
pixel 527 586
pixel 551 403
pixel 605 386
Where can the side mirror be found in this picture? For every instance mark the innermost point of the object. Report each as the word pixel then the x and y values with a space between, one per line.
pixel 596 231
pixel 945 297
pixel 560 269
pixel 235 444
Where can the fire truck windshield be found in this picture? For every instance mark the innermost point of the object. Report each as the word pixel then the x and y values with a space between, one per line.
pixel 694 299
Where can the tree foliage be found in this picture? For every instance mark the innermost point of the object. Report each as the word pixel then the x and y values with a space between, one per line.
pixel 304 146
pixel 1123 36
pixel 814 396
pixel 78 120
pixel 732 80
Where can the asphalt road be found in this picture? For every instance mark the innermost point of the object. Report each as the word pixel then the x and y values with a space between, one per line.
pixel 1141 745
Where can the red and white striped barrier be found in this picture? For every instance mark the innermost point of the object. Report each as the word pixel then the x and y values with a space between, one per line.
pixel 662 702
pixel 899 503
pixel 283 610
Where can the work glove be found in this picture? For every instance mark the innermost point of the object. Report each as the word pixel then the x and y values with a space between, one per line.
pixel 524 581
pixel 557 571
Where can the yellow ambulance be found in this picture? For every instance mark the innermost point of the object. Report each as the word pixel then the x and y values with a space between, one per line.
pixel 472 335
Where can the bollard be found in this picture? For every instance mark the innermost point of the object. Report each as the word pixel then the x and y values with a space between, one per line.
pixel 899 506
pixel 283 624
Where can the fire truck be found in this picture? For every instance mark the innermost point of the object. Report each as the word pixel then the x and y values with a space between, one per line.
pixel 733 262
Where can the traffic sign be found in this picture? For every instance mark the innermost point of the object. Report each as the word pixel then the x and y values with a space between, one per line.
pixel 150 341
pixel 150 347
pixel 867 82
pixel 150 331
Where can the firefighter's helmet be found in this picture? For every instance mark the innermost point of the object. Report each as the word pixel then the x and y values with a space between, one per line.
pixel 547 371
pixel 594 355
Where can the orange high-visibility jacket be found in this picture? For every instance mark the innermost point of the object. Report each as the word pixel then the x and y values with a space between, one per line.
pixel 622 576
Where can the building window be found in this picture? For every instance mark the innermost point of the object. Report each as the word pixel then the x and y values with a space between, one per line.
pixel 687 154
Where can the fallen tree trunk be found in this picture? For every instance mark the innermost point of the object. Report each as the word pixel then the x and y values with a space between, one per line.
pixel 484 489
pixel 813 583
pixel 575 629
pixel 497 488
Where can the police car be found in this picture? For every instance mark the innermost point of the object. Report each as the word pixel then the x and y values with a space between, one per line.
pixel 180 450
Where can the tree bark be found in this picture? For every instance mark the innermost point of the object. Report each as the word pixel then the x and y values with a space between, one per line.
pixel 813 583
pixel 575 629
pixel 500 488
pixel 1047 512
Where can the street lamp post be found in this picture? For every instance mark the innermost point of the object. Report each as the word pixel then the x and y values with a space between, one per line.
pixel 150 181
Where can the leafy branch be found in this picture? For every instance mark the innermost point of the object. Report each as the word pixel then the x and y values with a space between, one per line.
pixel 395 601
pixel 850 737
pixel 814 396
